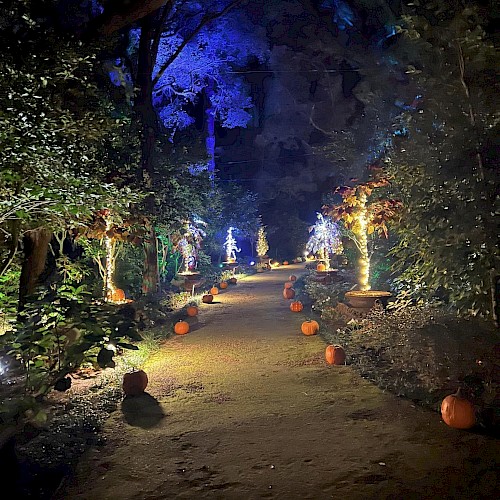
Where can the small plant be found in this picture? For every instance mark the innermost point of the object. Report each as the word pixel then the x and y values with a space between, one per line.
pixel 174 301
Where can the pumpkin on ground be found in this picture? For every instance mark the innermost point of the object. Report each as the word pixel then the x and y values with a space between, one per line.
pixel 296 306
pixel 233 281
pixel 223 285
pixel 192 311
pixel 181 327
pixel 207 298
pixel 134 383
pixel 335 355
pixel 288 284
pixel 292 277
pixel 285 263
pixel 288 293
pixel 458 412
pixel 214 290
pixel 117 295
pixel 321 267
pixel 310 327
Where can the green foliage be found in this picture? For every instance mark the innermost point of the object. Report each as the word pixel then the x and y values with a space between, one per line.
pixel 441 165
pixel 229 206
pixel 9 289
pixel 60 329
pixel 128 272
pixel 57 134
pixel 38 338
pixel 173 301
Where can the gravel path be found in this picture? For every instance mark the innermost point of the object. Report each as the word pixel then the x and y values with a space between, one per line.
pixel 244 407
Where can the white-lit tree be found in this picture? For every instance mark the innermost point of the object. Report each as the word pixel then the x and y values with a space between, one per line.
pixel 191 242
pixel 262 244
pixel 325 239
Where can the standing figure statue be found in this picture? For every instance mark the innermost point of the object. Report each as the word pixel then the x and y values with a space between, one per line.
pixel 230 246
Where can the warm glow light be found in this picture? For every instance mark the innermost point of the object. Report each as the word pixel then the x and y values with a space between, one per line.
pixel 109 245
pixel 362 235
pixel 262 245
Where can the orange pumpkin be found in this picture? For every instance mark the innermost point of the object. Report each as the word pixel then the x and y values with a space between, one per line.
pixel 288 284
pixel 181 327
pixel 223 285
pixel 310 327
pixel 335 355
pixel 192 311
pixel 117 295
pixel 296 306
pixel 214 290
pixel 292 277
pixel 288 293
pixel 134 383
pixel 285 263
pixel 233 281
pixel 207 298
pixel 321 267
pixel 458 412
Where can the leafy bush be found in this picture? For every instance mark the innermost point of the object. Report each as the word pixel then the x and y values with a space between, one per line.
pixel 60 329
pixel 9 287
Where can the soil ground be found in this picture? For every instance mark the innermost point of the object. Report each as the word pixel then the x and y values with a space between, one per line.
pixel 245 407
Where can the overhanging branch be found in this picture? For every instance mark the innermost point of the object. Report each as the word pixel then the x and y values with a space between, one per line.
pixel 204 21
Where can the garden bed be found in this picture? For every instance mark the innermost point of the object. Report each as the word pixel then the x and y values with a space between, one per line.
pixel 419 353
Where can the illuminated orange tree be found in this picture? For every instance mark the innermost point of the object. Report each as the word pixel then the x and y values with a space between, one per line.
pixel 362 218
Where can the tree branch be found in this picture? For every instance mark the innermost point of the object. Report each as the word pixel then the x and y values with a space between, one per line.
pixel 119 14
pixel 204 21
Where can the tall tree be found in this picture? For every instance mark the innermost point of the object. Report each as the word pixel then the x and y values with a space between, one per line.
pixel 162 38
pixel 442 161
pixel 53 124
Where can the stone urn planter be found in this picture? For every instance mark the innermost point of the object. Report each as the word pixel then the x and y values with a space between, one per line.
pixel 190 276
pixel 366 299
pixel 231 266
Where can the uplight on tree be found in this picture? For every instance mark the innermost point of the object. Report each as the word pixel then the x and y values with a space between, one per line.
pixel 361 219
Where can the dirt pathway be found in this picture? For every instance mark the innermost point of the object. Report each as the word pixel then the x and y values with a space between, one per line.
pixel 244 407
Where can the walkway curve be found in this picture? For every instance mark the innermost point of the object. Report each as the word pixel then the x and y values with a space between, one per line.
pixel 251 410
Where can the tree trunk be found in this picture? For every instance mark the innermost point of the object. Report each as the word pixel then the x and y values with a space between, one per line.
pixel 148 124
pixel 36 245
pixel 151 276
pixel 210 140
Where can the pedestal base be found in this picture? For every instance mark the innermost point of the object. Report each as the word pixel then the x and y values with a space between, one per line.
pixel 361 303
pixel 366 299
